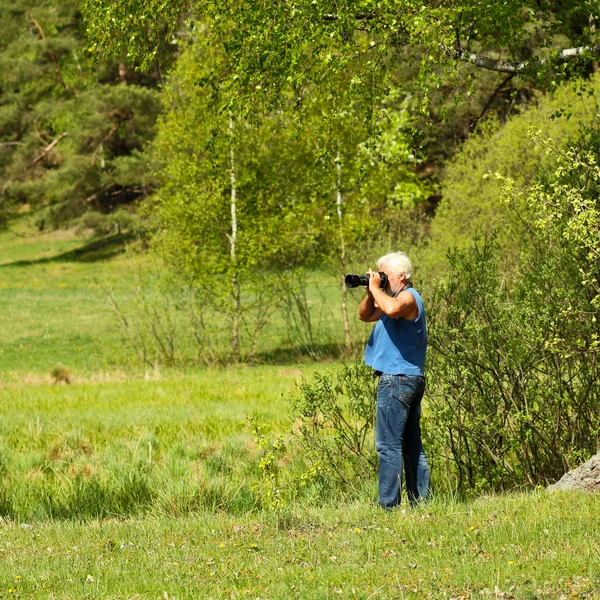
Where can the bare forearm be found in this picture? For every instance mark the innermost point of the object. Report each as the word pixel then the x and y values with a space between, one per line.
pixel 367 307
pixel 387 304
pixel 403 305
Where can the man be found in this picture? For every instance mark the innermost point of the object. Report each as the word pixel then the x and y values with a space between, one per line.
pixel 396 351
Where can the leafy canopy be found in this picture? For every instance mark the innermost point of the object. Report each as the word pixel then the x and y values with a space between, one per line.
pixel 291 47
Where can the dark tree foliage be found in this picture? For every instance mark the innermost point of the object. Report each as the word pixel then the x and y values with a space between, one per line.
pixel 70 136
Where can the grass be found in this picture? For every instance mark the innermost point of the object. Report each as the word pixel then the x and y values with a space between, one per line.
pixel 51 307
pixel 54 308
pixel 141 483
pixel 516 546
pixel 132 446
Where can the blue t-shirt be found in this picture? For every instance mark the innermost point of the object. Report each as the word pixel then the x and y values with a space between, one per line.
pixel 398 346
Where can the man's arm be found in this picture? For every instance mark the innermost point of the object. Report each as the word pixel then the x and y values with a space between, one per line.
pixel 368 311
pixel 404 305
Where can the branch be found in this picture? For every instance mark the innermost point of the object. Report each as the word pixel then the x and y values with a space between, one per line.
pixel 99 192
pixel 359 17
pixel 49 147
pixel 489 102
pixel 52 56
pixel 515 67
pixel 114 128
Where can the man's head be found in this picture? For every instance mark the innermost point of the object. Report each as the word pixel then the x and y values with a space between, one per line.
pixel 397 267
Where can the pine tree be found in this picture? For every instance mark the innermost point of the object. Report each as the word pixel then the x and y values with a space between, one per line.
pixel 71 135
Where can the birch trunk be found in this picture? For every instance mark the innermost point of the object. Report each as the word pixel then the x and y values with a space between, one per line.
pixel 235 285
pixel 342 254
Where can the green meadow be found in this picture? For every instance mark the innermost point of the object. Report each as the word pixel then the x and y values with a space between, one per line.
pixel 138 482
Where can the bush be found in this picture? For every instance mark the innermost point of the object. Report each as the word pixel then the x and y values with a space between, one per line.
pixel 513 378
pixel 471 203
pixel 335 415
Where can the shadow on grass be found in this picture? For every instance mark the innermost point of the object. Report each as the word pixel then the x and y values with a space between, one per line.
pixel 314 353
pixel 95 250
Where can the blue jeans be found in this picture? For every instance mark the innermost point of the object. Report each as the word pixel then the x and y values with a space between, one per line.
pixel 398 439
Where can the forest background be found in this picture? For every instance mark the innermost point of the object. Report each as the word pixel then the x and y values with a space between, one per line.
pixel 200 213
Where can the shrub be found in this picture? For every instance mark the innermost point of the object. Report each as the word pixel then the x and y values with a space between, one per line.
pixel 513 378
pixel 335 414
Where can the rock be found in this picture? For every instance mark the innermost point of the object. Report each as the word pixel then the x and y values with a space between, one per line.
pixel 585 477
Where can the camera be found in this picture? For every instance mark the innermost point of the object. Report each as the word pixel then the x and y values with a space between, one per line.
pixel 353 281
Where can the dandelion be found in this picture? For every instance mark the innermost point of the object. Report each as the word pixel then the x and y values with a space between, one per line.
pixel 472 528
pixel 357 529
pixel 511 562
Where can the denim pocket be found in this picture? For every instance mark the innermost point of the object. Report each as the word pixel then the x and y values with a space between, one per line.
pixel 410 389
pixel 385 381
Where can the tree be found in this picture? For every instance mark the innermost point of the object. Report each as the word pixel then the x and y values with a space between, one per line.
pixel 70 136
pixel 293 46
pixel 238 202
pixel 472 202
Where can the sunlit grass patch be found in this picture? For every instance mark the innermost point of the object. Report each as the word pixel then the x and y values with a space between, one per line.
pixel 524 546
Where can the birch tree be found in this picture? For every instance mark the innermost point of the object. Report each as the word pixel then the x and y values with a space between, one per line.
pixel 278 48
pixel 237 204
pixel 235 284
pixel 340 215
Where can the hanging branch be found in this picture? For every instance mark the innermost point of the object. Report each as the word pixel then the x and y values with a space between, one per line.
pixel 52 55
pixel 489 102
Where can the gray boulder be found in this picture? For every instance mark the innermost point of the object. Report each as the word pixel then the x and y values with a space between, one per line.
pixel 585 477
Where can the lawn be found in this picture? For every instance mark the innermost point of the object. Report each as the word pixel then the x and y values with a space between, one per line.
pixel 56 308
pixel 138 482
pixel 516 546
pixel 52 309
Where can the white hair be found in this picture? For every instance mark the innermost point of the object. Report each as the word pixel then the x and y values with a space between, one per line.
pixel 397 263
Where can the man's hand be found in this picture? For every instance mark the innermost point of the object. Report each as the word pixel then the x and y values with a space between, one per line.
pixel 374 281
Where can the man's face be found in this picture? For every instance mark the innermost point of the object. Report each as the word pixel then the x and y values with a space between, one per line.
pixel 395 282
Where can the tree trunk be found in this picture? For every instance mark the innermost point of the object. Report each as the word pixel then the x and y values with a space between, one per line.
pixel 235 284
pixel 348 343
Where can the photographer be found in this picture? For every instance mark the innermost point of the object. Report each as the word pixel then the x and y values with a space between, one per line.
pixel 396 351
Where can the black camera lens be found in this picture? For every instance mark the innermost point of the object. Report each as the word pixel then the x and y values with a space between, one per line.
pixel 354 281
